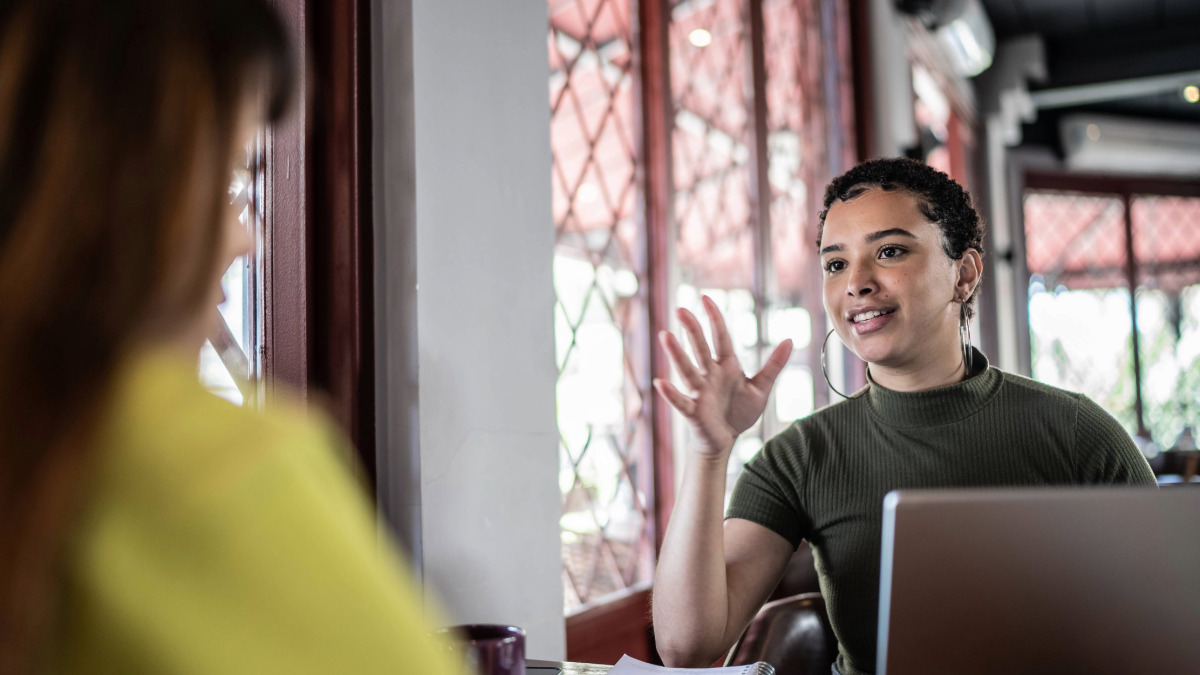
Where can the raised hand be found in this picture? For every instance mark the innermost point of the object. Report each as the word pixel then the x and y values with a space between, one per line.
pixel 724 402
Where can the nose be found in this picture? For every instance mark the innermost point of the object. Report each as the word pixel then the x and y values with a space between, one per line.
pixel 860 282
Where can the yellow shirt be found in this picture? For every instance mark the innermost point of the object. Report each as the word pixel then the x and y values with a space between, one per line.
pixel 225 540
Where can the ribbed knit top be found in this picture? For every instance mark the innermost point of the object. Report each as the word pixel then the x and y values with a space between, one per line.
pixel 824 478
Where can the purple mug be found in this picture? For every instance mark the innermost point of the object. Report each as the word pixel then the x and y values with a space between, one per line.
pixel 490 649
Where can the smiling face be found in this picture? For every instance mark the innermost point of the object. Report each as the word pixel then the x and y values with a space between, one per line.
pixel 890 290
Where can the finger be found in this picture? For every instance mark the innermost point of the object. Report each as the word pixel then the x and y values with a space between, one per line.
pixel 696 335
pixel 765 379
pixel 683 404
pixel 682 363
pixel 720 333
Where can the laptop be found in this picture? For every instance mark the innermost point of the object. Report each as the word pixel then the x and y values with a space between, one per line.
pixel 1040 580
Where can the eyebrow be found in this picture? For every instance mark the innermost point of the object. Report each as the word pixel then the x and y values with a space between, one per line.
pixel 895 231
pixel 874 236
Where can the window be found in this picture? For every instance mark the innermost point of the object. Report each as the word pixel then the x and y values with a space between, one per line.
pixel 744 185
pixel 719 244
pixel 299 311
pixel 1166 237
pixel 1128 263
pixel 229 361
pixel 932 113
pixel 755 115
pixel 602 313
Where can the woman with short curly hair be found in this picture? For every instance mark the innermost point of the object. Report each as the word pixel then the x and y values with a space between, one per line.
pixel 900 247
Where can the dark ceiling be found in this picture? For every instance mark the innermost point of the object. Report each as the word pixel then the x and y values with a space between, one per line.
pixel 1064 18
pixel 1099 41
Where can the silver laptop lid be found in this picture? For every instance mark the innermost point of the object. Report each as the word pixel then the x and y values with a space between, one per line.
pixel 1074 580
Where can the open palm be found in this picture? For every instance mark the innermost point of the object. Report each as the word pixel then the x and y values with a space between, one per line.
pixel 724 402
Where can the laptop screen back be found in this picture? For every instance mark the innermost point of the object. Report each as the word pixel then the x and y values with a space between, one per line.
pixel 1092 580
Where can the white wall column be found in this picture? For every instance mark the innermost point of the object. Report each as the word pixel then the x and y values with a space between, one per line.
pixel 895 126
pixel 468 446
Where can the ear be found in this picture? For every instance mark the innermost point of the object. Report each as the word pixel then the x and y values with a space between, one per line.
pixel 970 270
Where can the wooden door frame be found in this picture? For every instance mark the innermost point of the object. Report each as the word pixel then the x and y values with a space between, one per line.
pixel 318 318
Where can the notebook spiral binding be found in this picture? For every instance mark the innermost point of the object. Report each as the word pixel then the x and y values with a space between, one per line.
pixel 760 668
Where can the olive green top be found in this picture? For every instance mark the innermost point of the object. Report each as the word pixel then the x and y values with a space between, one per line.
pixel 823 479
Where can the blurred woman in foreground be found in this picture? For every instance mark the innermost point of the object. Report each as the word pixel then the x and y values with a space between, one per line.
pixel 147 525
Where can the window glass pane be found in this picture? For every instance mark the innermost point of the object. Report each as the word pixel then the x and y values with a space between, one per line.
pixel 1080 325
pixel 601 315
pixel 712 137
pixel 711 143
pixel 1080 318
pixel 715 191
pixel 791 128
pixel 932 112
pixel 602 318
pixel 796 114
pixel 1166 233
pixel 215 376
pixel 1080 340
pixel 229 363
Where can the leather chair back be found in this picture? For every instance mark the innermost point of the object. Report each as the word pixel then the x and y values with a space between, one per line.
pixel 792 634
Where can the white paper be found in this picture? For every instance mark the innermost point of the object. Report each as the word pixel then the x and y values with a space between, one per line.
pixel 631 666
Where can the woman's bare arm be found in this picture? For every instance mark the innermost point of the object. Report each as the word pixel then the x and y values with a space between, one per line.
pixel 712 576
pixel 703 603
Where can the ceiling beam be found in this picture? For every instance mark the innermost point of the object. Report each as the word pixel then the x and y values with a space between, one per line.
pixel 1102 92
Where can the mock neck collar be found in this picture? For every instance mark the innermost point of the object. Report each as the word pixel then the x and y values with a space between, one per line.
pixel 931 407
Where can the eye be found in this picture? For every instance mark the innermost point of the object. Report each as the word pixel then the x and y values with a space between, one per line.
pixel 891 252
pixel 834 266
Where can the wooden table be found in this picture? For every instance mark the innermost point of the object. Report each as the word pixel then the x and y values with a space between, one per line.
pixel 568 668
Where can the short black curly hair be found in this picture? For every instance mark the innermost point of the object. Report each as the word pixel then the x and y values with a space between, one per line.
pixel 941 200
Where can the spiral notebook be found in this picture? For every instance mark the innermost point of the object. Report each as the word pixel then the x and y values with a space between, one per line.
pixel 631 666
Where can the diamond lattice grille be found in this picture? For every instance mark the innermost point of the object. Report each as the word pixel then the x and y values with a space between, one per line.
pixel 787 101
pixel 712 136
pixel 715 206
pixel 1080 318
pixel 1080 325
pixel 711 139
pixel 791 50
pixel 601 314
pixel 1166 237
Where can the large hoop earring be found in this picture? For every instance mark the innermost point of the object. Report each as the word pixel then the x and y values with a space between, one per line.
pixel 826 372
pixel 964 337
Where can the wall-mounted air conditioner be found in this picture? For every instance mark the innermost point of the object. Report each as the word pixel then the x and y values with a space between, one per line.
pixel 1124 145
pixel 963 29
